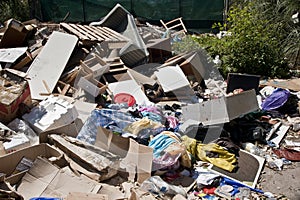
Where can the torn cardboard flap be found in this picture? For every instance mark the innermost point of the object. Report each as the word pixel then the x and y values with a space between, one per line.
pixel 137 157
pixel 86 196
pixel 9 162
pixel 45 179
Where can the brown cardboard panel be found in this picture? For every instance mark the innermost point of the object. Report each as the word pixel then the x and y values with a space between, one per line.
pixel 86 196
pixel 47 180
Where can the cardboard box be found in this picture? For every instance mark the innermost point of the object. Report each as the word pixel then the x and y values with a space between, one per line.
pixel 222 110
pixel 10 161
pixel 14 93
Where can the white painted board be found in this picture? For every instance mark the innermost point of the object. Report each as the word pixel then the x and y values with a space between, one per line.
pixel 50 63
pixel 171 78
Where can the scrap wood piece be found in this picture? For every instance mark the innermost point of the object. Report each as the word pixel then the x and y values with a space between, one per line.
pixel 94 158
pixel 175 24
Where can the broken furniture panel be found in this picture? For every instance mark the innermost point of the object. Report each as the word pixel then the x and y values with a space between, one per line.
pixel 171 78
pixel 174 83
pixel 48 66
pixel 175 24
pixel 11 55
pixel 222 110
pixel 120 20
pixel 129 87
pixel 14 94
pixel 95 66
pixel 246 173
pixel 92 34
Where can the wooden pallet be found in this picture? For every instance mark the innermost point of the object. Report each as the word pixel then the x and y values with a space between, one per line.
pixel 92 34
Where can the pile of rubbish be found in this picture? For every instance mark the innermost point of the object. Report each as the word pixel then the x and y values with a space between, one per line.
pixel 108 111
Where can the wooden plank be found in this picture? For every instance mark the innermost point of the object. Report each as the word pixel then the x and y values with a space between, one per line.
pixel 100 37
pixel 90 35
pixel 73 31
pixel 99 30
pixel 116 34
pixel 79 29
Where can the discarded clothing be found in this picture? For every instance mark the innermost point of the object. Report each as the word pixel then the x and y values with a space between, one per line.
pixel 145 123
pixel 287 154
pixel 153 116
pixel 172 121
pixel 152 109
pixel 161 142
pixel 167 150
pixel 107 118
pixel 277 99
pixel 212 153
pixel 205 177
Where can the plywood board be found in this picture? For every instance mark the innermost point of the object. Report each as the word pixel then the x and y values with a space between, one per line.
pixel 50 63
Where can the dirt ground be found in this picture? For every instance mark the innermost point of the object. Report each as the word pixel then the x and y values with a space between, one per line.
pixel 282 183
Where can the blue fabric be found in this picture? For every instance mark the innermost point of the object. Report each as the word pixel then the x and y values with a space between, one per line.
pixel 44 198
pixel 153 116
pixel 160 143
pixel 114 120
pixel 276 99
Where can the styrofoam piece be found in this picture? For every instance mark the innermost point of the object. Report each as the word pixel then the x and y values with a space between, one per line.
pixel 52 113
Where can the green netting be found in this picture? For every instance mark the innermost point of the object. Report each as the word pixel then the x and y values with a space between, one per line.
pixel 92 10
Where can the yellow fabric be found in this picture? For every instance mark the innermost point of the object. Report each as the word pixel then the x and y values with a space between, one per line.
pixel 225 159
pixel 144 123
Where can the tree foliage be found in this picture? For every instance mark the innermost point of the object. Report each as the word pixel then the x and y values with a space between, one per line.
pixel 17 9
pixel 256 41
